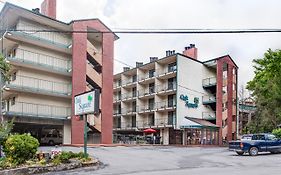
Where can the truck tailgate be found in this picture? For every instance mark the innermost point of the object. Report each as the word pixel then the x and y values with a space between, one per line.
pixel 234 145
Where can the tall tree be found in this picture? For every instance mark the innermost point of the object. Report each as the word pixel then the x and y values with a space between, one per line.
pixel 4 68
pixel 267 91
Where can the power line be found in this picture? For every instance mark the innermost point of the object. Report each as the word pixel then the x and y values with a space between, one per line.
pixel 123 63
pixel 156 31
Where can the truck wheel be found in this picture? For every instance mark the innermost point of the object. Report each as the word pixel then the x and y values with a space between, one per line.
pixel 240 153
pixel 51 143
pixel 253 151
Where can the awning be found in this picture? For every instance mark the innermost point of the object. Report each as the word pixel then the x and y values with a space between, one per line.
pixel 189 122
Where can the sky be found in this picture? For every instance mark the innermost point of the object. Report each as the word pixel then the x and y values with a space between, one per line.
pixel 180 14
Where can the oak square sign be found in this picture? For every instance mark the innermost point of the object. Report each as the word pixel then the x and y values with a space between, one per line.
pixel 87 103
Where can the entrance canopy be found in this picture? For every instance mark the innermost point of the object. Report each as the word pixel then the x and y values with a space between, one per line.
pixel 189 122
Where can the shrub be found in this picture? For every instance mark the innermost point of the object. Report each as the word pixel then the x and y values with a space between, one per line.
pixel 64 157
pixel 19 148
pixel 277 132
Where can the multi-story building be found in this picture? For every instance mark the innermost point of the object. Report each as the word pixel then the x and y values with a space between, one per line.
pixel 186 101
pixel 51 62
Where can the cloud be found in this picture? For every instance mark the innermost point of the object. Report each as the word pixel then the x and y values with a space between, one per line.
pixel 187 14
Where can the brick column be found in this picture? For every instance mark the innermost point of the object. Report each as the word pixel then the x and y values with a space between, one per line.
pixel 219 99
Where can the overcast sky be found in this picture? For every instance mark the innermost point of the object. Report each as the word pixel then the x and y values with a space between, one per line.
pixel 187 14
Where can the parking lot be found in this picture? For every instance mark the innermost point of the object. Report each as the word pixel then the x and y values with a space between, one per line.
pixel 164 160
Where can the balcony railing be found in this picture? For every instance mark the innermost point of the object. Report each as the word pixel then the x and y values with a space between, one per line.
pixel 126 111
pixel 41 60
pixel 212 81
pixel 156 123
pixel 208 115
pixel 166 87
pixel 116 112
pixel 166 70
pixel 165 105
pixel 36 110
pixel 208 99
pixel 39 86
pixel 145 108
pixel 47 37
pixel 129 96
pixel 149 91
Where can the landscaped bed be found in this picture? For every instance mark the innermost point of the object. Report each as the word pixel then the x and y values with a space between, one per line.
pixel 22 157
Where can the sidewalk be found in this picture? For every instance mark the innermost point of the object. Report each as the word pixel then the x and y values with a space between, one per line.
pixel 137 145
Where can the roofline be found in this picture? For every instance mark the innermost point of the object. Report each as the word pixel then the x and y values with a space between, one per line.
pixel 10 5
pixel 7 5
pixel 176 54
pixel 214 59
pixel 90 19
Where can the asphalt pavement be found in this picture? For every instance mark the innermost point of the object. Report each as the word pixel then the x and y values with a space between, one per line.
pixel 167 160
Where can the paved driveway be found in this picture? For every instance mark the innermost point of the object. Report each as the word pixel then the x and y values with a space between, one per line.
pixel 176 160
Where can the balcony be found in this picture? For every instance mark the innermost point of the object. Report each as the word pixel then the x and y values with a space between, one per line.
pixel 40 62
pixel 146 79
pixel 130 83
pixel 210 84
pixel 39 86
pixel 147 93
pixel 167 72
pixel 209 116
pixel 129 111
pixel 129 97
pixel 146 109
pixel 117 98
pixel 50 40
pixel 166 89
pixel 117 113
pixel 125 126
pixel 117 86
pixel 22 109
pixel 165 122
pixel 165 106
pixel 209 100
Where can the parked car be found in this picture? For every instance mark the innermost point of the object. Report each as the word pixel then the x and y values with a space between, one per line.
pixel 255 143
pixel 51 139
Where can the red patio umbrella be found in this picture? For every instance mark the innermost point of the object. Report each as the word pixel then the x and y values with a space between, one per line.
pixel 149 131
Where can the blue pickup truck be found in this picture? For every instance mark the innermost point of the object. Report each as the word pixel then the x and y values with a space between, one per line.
pixel 255 143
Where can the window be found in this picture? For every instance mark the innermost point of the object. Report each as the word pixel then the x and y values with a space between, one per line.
pixel 119 82
pixel 151 88
pixel 224 66
pixel 14 76
pixel 134 106
pixel 171 116
pixel 271 137
pixel 134 92
pixel 119 109
pixel 172 67
pixel 151 104
pixel 119 95
pixel 151 119
pixel 258 137
pixel 171 83
pixel 151 73
pixel 134 78
pixel 234 118
pixel 119 122
pixel 171 100
pixel 134 121
pixel 13 102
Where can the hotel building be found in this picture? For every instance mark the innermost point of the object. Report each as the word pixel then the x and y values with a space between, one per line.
pixel 185 100
pixel 50 64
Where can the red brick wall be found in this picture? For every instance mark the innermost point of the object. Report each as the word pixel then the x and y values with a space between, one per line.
pixel 219 98
pixel 79 78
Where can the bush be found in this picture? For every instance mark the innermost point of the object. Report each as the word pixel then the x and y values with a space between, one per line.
pixel 277 132
pixel 64 157
pixel 19 148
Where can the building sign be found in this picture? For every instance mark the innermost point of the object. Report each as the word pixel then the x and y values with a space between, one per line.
pixel 87 103
pixel 189 104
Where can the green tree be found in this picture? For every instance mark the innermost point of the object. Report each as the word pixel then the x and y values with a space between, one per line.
pixel 5 129
pixel 267 92
pixel 4 68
